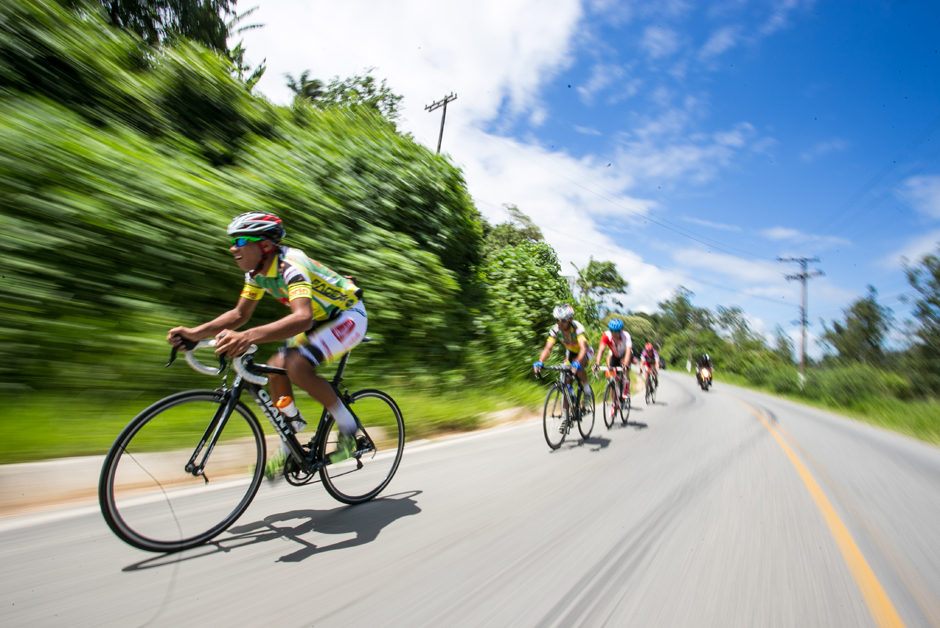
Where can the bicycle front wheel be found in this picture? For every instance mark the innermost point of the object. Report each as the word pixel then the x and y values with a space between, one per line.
pixel 380 442
pixel 586 423
pixel 148 497
pixel 649 389
pixel 555 417
pixel 610 404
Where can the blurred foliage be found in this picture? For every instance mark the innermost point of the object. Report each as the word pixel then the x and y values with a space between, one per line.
pixel 861 337
pixel 168 21
pixel 353 92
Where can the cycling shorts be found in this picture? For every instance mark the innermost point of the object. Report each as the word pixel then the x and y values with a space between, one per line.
pixel 331 340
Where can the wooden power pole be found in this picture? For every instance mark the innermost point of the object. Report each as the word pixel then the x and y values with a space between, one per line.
pixel 434 106
pixel 802 277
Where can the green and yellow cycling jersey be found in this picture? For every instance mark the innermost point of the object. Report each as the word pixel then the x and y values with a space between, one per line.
pixel 296 276
pixel 569 340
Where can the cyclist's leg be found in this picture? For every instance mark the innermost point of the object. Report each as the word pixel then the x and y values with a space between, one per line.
pixel 322 346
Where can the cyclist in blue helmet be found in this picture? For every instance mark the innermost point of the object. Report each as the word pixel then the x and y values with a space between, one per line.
pixel 621 349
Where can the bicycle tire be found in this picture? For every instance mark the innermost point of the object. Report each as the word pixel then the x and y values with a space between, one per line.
pixel 148 499
pixel 609 404
pixel 625 404
pixel 555 417
pixel 360 478
pixel 586 420
pixel 649 388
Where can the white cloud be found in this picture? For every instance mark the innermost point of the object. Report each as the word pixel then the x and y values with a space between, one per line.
pixel 923 193
pixel 785 234
pixel 721 40
pixel 713 225
pixel 913 251
pixel 659 42
pixel 586 130
pixel 602 75
pixel 823 148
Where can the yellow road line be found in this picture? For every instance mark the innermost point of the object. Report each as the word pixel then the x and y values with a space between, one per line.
pixel 878 601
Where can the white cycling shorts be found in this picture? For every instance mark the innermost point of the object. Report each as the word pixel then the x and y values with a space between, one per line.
pixel 332 340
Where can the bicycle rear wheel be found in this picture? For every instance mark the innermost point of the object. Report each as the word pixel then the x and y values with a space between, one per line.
pixel 610 404
pixel 649 388
pixel 555 417
pixel 586 423
pixel 149 499
pixel 380 442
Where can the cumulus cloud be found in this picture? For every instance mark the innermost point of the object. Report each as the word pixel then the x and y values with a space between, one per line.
pixel 912 251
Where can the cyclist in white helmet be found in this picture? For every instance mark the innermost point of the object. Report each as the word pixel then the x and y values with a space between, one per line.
pixel 327 317
pixel 573 338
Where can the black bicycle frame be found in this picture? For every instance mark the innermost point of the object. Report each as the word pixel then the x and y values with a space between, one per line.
pixel 231 397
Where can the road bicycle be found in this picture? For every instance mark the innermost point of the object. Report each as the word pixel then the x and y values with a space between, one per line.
pixel 614 402
pixel 565 408
pixel 650 387
pixel 187 467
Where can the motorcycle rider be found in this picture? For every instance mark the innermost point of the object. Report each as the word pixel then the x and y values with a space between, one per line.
pixel 704 362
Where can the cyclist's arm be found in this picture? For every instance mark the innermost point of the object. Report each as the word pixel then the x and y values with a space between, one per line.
pixel 600 352
pixel 299 320
pixel 547 350
pixel 233 319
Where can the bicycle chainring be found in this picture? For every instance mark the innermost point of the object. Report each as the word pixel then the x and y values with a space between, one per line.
pixel 294 475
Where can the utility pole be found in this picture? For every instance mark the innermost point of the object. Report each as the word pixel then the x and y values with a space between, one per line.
pixel 434 106
pixel 802 277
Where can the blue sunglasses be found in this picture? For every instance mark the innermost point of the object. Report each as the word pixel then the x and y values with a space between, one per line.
pixel 240 242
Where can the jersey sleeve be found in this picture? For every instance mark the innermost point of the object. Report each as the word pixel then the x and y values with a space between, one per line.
pixel 579 332
pixel 604 343
pixel 251 289
pixel 297 282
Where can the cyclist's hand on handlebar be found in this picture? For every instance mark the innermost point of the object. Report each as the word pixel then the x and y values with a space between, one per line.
pixel 232 343
pixel 537 367
pixel 175 336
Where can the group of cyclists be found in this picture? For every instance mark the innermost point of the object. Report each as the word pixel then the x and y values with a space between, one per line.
pixel 616 341
pixel 328 319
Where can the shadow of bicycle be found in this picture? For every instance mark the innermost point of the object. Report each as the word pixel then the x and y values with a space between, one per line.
pixel 366 521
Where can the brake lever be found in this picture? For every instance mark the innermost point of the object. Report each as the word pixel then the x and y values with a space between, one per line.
pixel 189 345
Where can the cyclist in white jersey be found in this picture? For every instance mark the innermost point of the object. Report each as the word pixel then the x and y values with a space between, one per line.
pixel 621 350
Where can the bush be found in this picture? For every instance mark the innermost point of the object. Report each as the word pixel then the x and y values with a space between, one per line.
pixel 852 383
pixel 759 373
pixel 785 380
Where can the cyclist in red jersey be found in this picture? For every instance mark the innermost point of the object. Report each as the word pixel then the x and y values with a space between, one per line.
pixel 650 361
pixel 621 351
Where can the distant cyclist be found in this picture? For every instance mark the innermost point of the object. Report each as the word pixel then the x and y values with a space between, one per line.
pixel 649 359
pixel 573 337
pixel 327 317
pixel 621 351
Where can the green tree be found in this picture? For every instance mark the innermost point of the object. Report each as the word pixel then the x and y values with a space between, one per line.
pixel 165 21
pixel 355 91
pixel 243 71
pixel 783 345
pixel 518 230
pixel 595 281
pixel 860 338
pixel 925 279
pixel 306 88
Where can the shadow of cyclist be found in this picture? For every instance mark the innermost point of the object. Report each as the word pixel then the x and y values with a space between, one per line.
pixel 366 521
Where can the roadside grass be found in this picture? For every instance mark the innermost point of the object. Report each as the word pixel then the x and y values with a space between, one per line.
pixel 39 427
pixel 919 419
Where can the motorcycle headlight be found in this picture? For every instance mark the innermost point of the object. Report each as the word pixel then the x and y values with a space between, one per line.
pixel 705 373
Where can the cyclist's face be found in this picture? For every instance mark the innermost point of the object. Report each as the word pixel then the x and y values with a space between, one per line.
pixel 564 325
pixel 247 257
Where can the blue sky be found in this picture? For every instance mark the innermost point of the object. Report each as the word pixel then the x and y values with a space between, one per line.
pixel 690 142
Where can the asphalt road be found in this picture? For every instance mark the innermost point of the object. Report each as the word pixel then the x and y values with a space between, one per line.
pixel 725 508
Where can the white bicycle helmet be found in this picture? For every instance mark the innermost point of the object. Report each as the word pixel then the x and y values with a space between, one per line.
pixel 563 312
pixel 258 224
